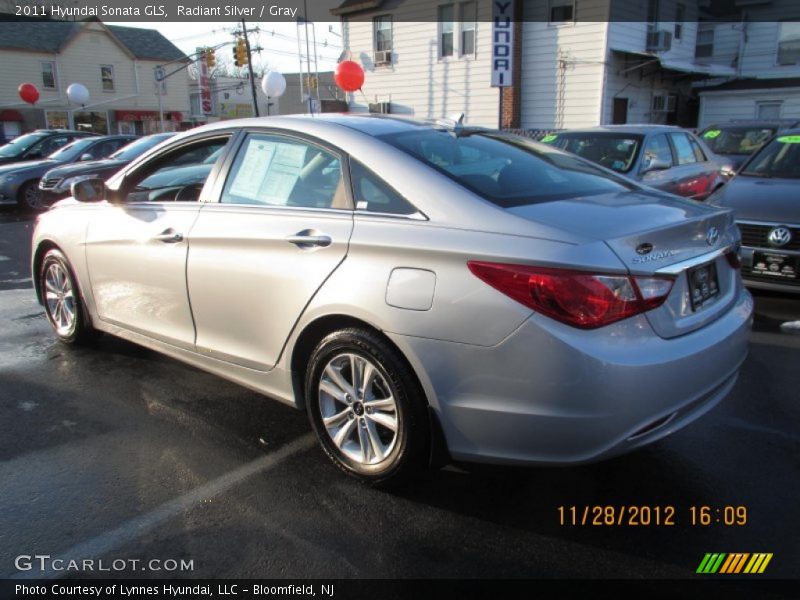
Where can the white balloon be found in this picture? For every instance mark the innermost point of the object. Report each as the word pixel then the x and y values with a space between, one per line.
pixel 77 93
pixel 273 84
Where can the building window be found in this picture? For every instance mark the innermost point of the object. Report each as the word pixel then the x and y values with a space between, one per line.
pixel 56 119
pixel 49 75
pixel 107 77
pixel 383 33
pixel 562 11
pixel 705 41
pixel 789 43
pixel 680 17
pixel 468 18
pixel 446 30
pixel 768 110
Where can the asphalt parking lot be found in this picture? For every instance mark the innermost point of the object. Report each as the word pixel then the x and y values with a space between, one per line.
pixel 115 452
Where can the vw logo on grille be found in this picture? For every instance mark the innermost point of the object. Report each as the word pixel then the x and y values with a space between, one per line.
pixel 712 236
pixel 780 236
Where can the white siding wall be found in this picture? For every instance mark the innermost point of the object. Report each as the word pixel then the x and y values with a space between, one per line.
pixel 418 82
pixel 79 62
pixel 628 27
pixel 553 97
pixel 761 51
pixel 724 106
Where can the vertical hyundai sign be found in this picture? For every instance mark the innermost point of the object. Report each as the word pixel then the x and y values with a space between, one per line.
pixel 502 42
pixel 205 90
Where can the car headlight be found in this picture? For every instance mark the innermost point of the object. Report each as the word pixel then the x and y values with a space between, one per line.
pixel 66 184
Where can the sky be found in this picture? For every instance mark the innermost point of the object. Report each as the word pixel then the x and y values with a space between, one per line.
pixel 278 40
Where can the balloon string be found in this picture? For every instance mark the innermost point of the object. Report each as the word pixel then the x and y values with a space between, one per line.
pixel 365 96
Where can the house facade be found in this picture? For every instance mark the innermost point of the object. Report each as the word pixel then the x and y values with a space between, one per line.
pixel 116 64
pixel 577 63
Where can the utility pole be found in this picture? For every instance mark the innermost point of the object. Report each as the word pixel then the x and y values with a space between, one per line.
pixel 250 67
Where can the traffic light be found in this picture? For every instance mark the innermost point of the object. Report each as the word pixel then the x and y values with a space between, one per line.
pixel 240 53
pixel 211 58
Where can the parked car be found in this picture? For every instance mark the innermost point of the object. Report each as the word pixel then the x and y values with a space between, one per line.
pixel 57 182
pixel 737 140
pixel 764 196
pixel 668 158
pixel 355 267
pixel 19 182
pixel 38 144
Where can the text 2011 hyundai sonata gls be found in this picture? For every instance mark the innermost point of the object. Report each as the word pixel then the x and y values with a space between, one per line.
pixel 411 285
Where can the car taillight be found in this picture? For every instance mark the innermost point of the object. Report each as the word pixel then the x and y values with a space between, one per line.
pixel 578 298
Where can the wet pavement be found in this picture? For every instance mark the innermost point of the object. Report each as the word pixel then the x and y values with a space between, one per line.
pixel 115 452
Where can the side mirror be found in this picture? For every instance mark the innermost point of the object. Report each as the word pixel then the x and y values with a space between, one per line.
pixel 87 156
pixel 656 163
pixel 89 190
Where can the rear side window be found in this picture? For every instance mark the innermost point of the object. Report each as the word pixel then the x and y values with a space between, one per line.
pixel 373 194
pixel 657 147
pixel 512 171
pixel 698 151
pixel 276 170
pixel 683 148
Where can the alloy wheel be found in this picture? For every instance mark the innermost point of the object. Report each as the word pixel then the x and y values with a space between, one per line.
pixel 59 299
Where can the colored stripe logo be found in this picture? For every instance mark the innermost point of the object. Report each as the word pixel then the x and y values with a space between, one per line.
pixel 735 562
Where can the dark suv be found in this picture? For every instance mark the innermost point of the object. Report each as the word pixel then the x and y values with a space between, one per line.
pixel 38 144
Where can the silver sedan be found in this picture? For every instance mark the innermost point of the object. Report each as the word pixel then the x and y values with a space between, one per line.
pixel 420 289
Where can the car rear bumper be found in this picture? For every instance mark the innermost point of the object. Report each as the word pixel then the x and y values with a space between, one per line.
pixel 552 394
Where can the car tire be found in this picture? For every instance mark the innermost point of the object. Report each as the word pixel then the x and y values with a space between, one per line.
pixel 29 196
pixel 62 301
pixel 376 430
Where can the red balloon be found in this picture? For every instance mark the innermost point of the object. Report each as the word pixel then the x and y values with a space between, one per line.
pixel 349 76
pixel 28 93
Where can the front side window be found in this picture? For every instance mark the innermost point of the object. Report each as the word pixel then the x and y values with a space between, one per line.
pixel 683 149
pixel 274 170
pixel 373 194
pixel 515 171
pixel 178 176
pixel 383 33
pixel 49 75
pixel 789 43
pixel 447 30
pixel 107 77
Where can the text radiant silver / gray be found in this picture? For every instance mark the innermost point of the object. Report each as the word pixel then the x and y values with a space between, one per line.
pixel 413 286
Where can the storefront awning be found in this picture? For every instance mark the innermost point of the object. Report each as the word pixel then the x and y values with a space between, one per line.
pixel 683 65
pixel 9 114
pixel 146 115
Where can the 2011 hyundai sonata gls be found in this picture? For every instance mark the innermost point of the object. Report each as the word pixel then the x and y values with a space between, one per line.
pixel 411 285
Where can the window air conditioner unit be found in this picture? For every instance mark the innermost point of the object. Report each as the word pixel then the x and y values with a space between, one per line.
pixel 665 103
pixel 659 41
pixel 383 57
pixel 380 108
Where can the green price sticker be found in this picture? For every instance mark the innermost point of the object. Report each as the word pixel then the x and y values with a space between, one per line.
pixel 548 138
pixel 789 139
pixel 711 134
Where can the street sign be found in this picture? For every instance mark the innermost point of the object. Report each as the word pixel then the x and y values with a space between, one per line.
pixel 502 55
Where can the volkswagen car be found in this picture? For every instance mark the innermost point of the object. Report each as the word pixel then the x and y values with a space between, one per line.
pixel 661 156
pixel 420 305
pixel 763 197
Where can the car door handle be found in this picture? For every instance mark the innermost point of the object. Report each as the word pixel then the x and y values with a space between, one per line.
pixel 169 236
pixel 303 239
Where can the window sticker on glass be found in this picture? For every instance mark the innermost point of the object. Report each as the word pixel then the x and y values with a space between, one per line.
pixel 283 173
pixel 789 139
pixel 255 165
pixel 548 138
pixel 712 133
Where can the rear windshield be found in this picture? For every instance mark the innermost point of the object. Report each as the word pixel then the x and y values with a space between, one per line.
pixel 612 150
pixel 506 169
pixel 780 158
pixel 736 140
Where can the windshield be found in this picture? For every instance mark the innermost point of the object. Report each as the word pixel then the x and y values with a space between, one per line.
pixel 612 150
pixel 21 144
pixel 736 140
pixel 72 150
pixel 138 147
pixel 780 158
pixel 506 169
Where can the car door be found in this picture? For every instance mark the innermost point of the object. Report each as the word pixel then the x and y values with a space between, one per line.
pixel 280 227
pixel 657 149
pixel 695 176
pixel 136 246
